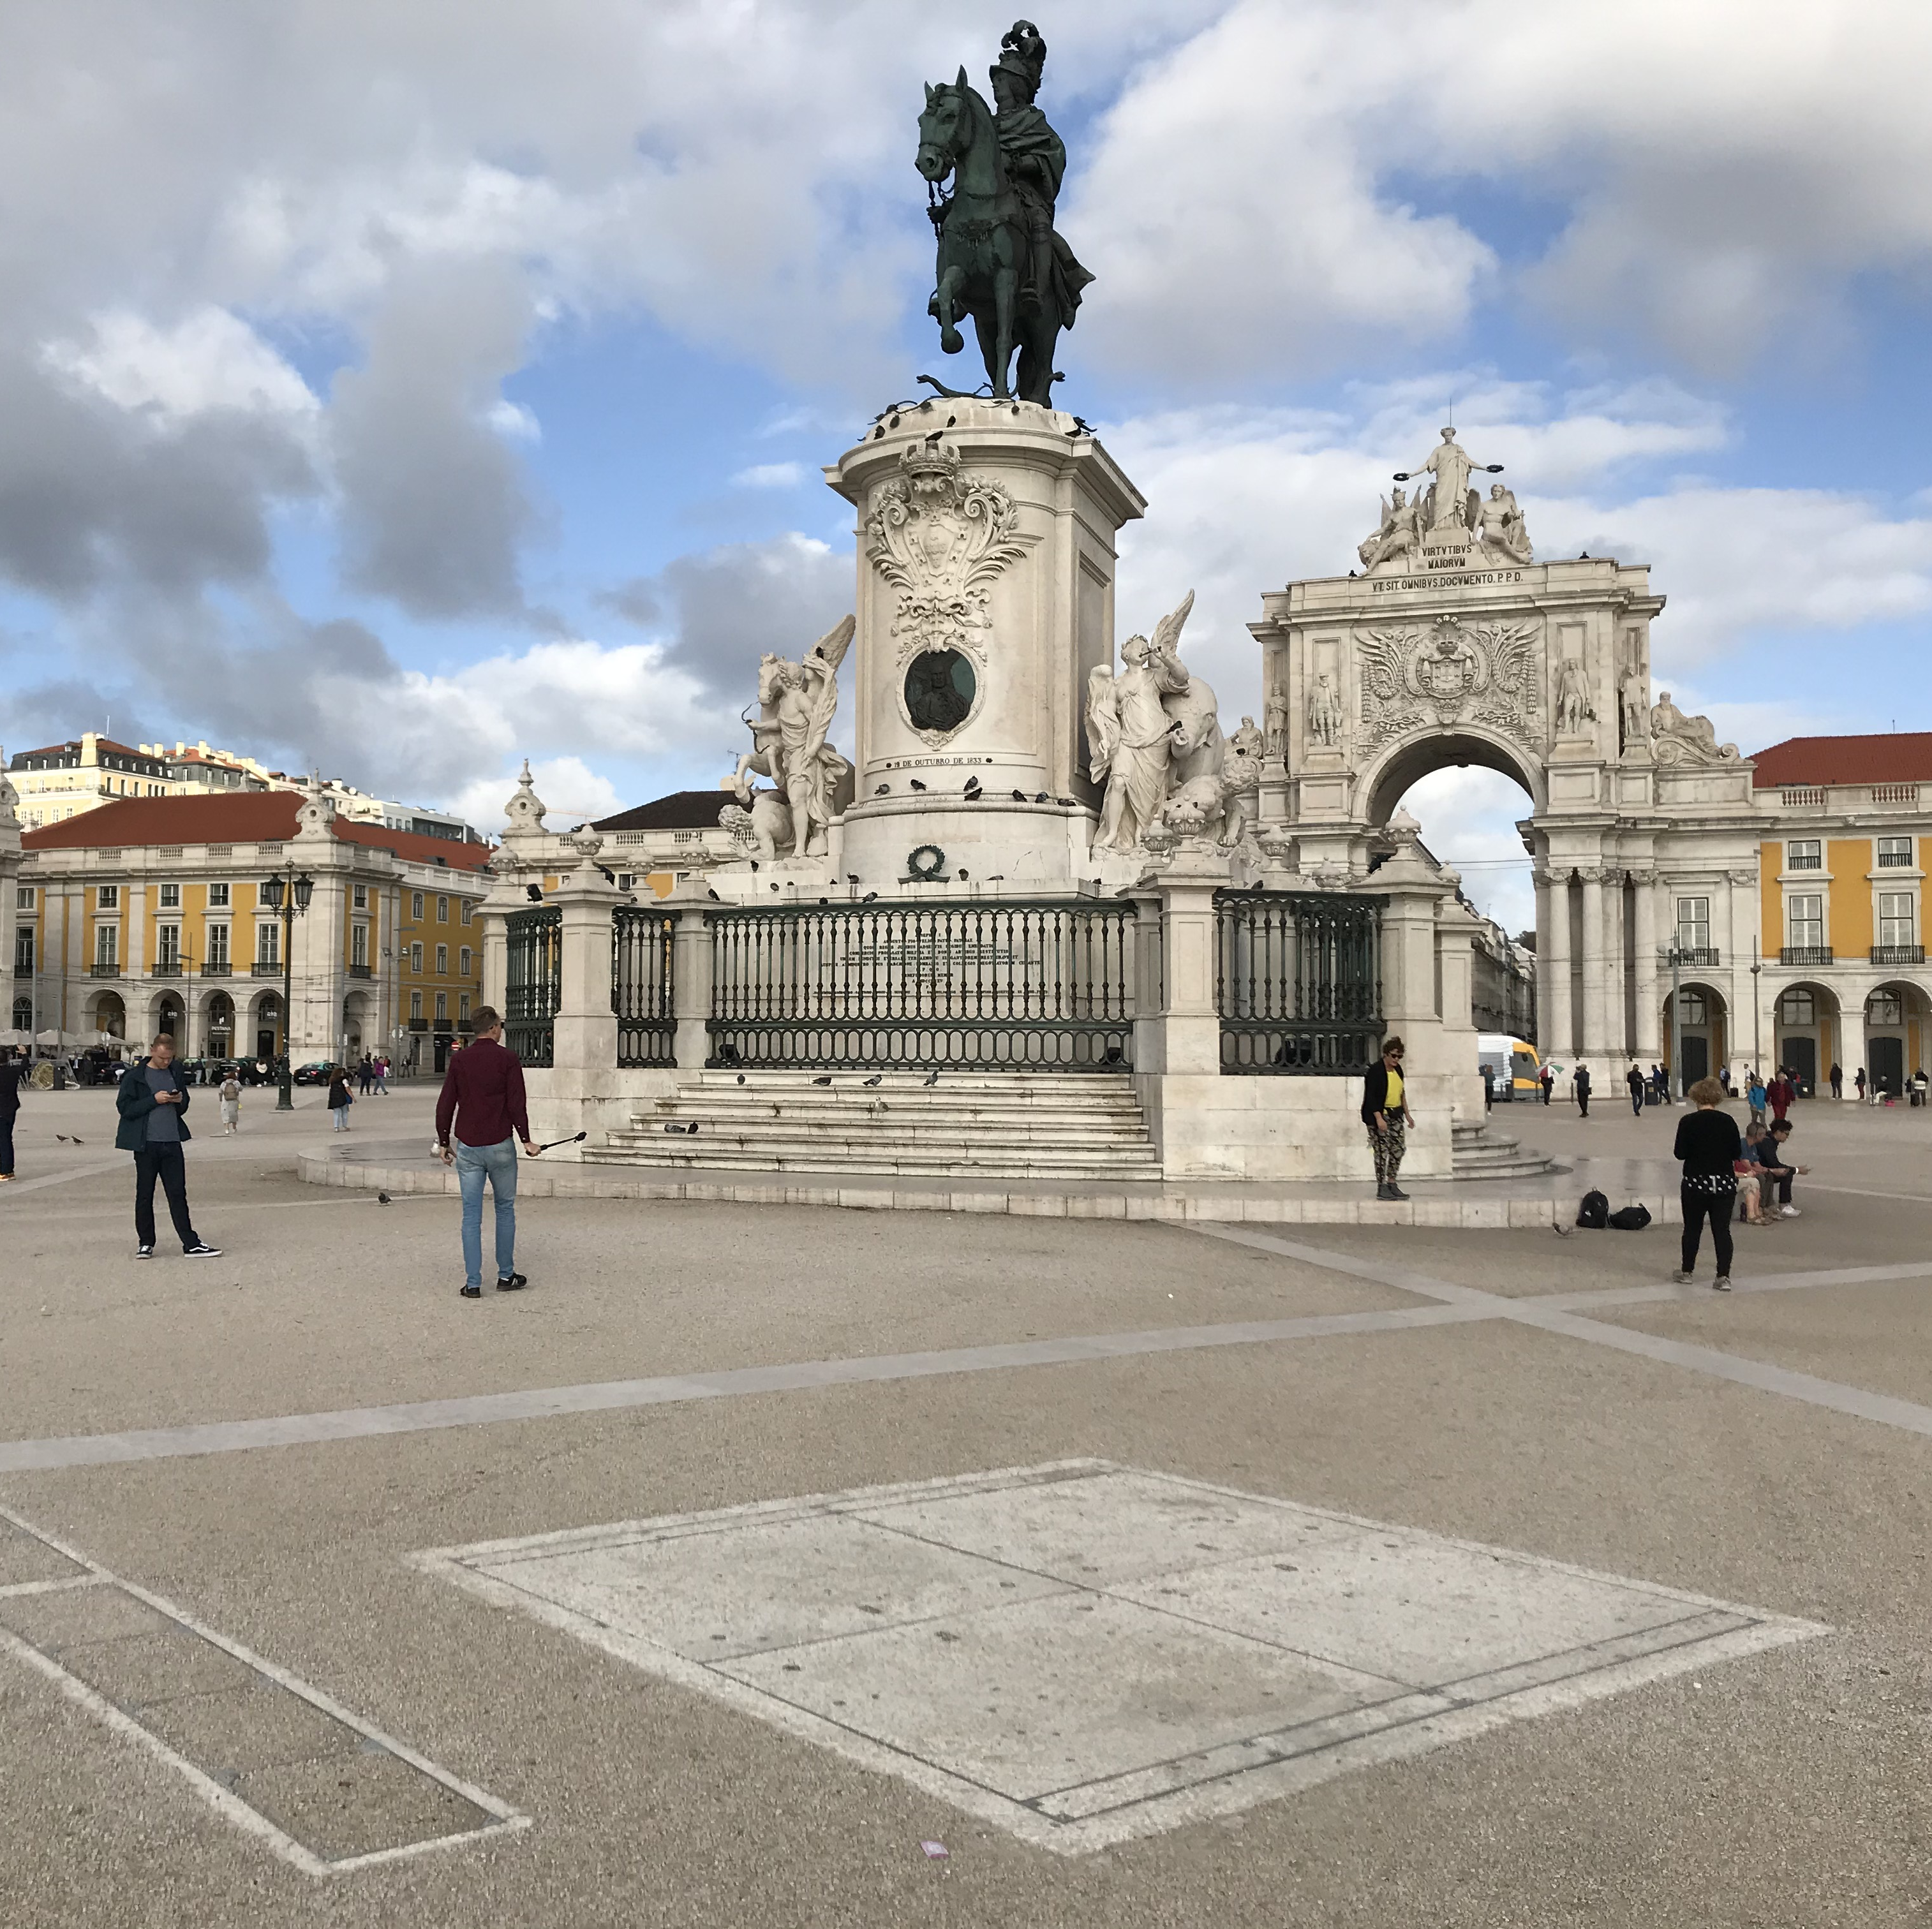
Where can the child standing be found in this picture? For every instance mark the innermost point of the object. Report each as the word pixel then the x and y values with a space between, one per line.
pixel 231 1105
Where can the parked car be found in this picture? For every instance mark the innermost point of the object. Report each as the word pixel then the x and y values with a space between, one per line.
pixel 316 1072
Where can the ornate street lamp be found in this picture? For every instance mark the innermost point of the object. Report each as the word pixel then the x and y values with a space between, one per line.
pixel 291 901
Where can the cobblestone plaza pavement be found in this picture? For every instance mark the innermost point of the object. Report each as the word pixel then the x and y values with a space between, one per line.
pixel 777 1565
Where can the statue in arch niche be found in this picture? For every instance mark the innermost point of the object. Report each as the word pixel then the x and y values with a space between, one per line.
pixel 1574 707
pixel 1153 737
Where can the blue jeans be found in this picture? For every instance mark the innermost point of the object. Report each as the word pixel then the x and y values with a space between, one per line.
pixel 498 1163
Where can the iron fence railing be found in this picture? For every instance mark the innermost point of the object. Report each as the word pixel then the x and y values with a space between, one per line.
pixel 533 983
pixel 1898 954
pixel 641 960
pixel 1297 982
pixel 1023 987
pixel 1804 954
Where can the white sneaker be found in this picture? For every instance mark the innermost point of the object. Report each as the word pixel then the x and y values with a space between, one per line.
pixel 1789 1212
pixel 1680 1277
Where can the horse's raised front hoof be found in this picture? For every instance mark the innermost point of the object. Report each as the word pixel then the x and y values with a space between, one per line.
pixel 951 340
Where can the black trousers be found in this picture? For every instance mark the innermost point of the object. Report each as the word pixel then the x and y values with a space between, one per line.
pixel 6 1141
pixel 166 1163
pixel 1582 1105
pixel 1715 1206
pixel 1636 1101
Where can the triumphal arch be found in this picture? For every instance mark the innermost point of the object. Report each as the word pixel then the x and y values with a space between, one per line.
pixel 1452 643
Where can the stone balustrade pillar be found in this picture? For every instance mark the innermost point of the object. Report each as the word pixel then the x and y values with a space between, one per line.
pixel 564 1098
pixel 1188 1040
pixel 691 974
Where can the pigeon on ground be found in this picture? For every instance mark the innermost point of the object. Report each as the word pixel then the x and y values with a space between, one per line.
pixel 1064 800
pixel 76 1142
pixel 825 900
pixel 882 789
pixel 714 897
pixel 935 435
pixel 1041 798
pixel 868 898
pixel 825 1080
pixel 774 886
pixel 534 892
pixel 916 785
pixel 851 877
pixel 932 1078
pixel 1019 797
pixel 741 1078
pixel 61 1136
pixel 875 1078
pixel 673 1126
pixel 974 796
pixel 383 1199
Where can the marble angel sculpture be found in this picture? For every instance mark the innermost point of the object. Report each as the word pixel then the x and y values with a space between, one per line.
pixel 1499 525
pixel 1130 737
pixel 1678 738
pixel 796 701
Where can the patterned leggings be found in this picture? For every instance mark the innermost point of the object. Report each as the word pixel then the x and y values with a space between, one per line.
pixel 1388 1147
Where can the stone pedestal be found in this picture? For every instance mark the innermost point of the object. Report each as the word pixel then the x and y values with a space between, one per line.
pixel 985 598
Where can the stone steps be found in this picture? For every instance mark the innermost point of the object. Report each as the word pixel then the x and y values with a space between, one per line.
pixel 1478 1152
pixel 990 1125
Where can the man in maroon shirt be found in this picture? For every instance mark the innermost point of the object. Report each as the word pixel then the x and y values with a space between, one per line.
pixel 482 1100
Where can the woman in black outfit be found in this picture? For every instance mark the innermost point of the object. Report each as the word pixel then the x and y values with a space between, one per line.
pixel 1708 1144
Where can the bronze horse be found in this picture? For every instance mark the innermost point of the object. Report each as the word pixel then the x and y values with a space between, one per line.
pixel 983 241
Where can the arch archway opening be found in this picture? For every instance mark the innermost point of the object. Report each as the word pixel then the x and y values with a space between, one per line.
pixel 1467 796
pixel 1703 1032
pixel 1807 1034
pixel 1898 1035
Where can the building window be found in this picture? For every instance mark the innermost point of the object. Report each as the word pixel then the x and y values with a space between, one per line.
pixel 1804 853
pixel 467 909
pixel 415 906
pixel 107 945
pixel 217 946
pixel 416 957
pixel 358 945
pixel 463 1009
pixel 442 911
pixel 170 898
pixel 442 960
pixel 467 954
pixel 1806 910
pixel 1895 918
pixel 1797 1007
pixel 23 954
pixel 23 1014
pixel 167 946
pixel 1693 924
pixel 443 1008
pixel 23 897
pixel 415 1004
pixel 107 897
pixel 1894 851
pixel 1885 1007
pixel 361 901
pixel 218 898
pixel 1691 1007
pixel 267 944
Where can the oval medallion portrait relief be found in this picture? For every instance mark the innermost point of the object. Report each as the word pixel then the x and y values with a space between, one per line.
pixel 939 689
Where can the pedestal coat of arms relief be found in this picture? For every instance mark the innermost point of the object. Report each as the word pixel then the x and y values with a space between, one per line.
pixel 940 535
pixel 1451 672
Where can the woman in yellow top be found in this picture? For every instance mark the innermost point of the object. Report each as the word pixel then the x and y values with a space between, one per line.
pixel 1385 1113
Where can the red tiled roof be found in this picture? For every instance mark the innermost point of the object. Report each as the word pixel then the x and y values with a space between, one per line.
pixel 1901 757
pixel 74 744
pixel 238 817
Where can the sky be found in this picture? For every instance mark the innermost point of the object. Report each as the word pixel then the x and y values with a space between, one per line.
pixel 404 388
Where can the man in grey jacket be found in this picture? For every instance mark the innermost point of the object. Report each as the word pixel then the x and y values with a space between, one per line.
pixel 153 1103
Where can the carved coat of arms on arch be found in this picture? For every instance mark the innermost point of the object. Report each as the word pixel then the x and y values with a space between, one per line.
pixel 940 535
pixel 1451 672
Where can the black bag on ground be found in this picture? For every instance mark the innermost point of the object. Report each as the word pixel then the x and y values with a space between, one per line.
pixel 1594 1212
pixel 1631 1218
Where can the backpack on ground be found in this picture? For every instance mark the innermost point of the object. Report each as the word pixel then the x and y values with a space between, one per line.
pixel 1594 1212
pixel 1631 1218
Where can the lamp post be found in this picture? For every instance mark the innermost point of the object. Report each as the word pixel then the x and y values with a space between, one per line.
pixel 1757 1037
pixel 290 898
pixel 1676 958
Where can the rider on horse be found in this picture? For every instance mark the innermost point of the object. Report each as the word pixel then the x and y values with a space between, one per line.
pixel 1036 159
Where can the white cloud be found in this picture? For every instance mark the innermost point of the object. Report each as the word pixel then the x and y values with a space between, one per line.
pixel 770 476
pixel 209 360
pixel 1722 171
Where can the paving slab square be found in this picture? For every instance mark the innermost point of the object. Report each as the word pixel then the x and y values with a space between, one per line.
pixel 1084 1653
pixel 367 1804
pixel 26 1557
pixel 258 1726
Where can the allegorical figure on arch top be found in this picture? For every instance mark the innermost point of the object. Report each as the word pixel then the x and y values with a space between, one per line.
pixel 1449 502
